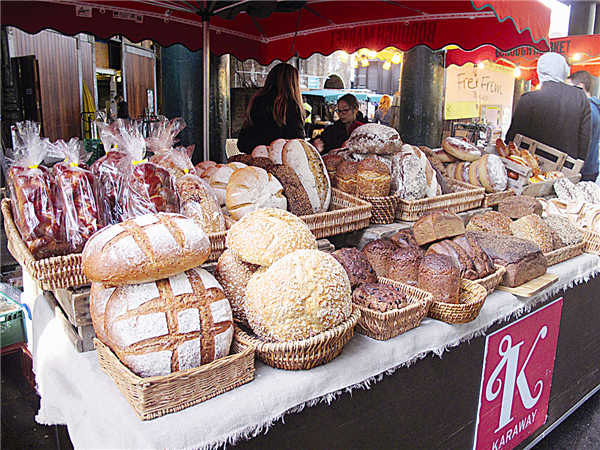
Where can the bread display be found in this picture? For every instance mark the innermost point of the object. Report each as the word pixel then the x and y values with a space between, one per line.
pixel 218 177
pixel 168 325
pixel 308 165
pixel 357 266
pixel 144 248
pixel 298 202
pixel 460 258
pixel 198 203
pixel 522 259
pixel 263 236
pixel 461 149
pixel 413 177
pixel 520 206
pixel 302 294
pixel 564 233
pixel 378 254
pixel 252 188
pixel 378 297
pixel 482 263
pixel 491 222
pixel 233 274
pixel 437 225
pixel 533 228
pixel 404 264
pixel 404 238
pixel 372 178
pixel 374 138
pixel 332 161
pixel 439 276
pixel 346 175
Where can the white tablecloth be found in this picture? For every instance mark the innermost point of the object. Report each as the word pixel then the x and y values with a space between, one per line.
pixel 74 391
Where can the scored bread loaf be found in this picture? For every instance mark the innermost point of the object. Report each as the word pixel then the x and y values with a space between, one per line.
pixel 145 248
pixel 302 294
pixel 372 178
pixel 251 188
pixel 413 177
pixel 460 149
pixel 168 325
pixel 233 275
pixel 437 225
pixel 310 168
pixel 263 236
pixel 374 138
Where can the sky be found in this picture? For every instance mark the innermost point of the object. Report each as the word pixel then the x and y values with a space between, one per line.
pixel 559 20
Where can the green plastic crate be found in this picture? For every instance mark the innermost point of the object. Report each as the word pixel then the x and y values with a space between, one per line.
pixel 12 326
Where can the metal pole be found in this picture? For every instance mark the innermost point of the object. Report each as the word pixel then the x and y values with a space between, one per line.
pixel 205 87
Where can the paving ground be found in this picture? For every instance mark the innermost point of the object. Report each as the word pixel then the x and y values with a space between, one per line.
pixel 581 431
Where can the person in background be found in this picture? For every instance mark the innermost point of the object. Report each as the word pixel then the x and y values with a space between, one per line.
pixel 336 134
pixel 583 80
pixel 122 108
pixel 383 114
pixel 276 111
pixel 557 115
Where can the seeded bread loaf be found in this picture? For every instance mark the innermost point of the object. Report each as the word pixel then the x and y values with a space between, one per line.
pixel 490 222
pixel 533 228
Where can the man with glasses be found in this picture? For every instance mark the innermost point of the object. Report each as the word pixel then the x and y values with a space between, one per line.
pixel 335 135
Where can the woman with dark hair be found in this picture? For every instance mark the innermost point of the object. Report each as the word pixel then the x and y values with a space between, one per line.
pixel 275 111
pixel 336 134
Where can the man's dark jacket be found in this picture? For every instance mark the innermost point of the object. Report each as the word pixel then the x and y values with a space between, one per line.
pixel 557 115
pixel 589 172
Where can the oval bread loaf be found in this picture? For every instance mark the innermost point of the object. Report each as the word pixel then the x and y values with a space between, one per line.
pixel 145 248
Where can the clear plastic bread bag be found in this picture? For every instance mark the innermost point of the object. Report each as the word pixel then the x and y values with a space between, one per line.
pixel 32 193
pixel 77 195
pixel 148 188
pixel 199 202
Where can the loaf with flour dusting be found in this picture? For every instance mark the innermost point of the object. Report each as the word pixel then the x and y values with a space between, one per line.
pixel 145 248
pixel 167 325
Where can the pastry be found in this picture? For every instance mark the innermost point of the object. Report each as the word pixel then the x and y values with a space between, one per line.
pixel 144 248
pixel 461 149
pixel 533 228
pixel 491 222
pixel 378 253
pixel 404 264
pixel 374 138
pixel 302 294
pixel 519 206
pixel 439 276
pixel 372 178
pixel 346 175
pixel 263 236
pixel 379 297
pixel 437 225
pixel 357 266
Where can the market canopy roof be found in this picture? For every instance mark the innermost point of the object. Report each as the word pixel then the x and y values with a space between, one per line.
pixel 332 95
pixel 279 30
pixel 581 52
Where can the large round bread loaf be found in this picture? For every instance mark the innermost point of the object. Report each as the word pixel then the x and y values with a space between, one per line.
pixel 167 325
pixel 300 295
pixel 263 236
pixel 145 248
pixel 218 178
pixel 413 178
pixel 310 168
pixel 374 138
pixel 251 188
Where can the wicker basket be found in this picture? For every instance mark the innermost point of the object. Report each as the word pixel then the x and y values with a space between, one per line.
pixel 57 272
pixel 492 281
pixel 384 208
pixel 591 242
pixel 346 213
pixel 472 297
pixel 156 396
pixel 564 253
pixel 464 197
pixel 496 197
pixel 304 354
pixel 386 325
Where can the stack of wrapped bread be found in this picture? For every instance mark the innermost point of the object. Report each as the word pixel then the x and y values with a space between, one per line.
pixel 278 282
pixel 375 163
pixel 150 301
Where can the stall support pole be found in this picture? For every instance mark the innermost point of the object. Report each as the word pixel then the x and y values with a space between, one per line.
pixel 205 87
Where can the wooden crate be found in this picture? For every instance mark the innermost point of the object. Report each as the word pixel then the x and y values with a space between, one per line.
pixel 75 302
pixel 82 337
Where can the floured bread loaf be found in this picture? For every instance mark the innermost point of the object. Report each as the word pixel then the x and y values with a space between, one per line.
pixel 233 274
pixel 167 325
pixel 374 138
pixel 300 295
pixel 413 177
pixel 145 248
pixel 276 149
pixel 263 236
pixel 218 178
pixel 251 188
pixel 310 168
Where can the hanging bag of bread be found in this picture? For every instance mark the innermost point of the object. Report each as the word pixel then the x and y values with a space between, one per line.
pixel 107 171
pixel 148 188
pixel 32 193
pixel 77 195
pixel 161 142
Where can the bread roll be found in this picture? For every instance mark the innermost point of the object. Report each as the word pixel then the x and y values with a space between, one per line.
pixel 233 274
pixel 404 264
pixel 144 248
pixel 378 254
pixel 378 297
pixel 437 225
pixel 357 266
pixel 491 222
pixel 298 202
pixel 198 203
pixel 345 175
pixel 276 149
pixel 439 276
pixel 173 324
pixel 461 149
pixel 263 236
pixel 372 178
pixel 374 138
pixel 252 188
pixel 310 168
pixel 300 295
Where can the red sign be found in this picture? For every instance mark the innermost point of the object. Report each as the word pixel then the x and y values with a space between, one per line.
pixel 517 375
